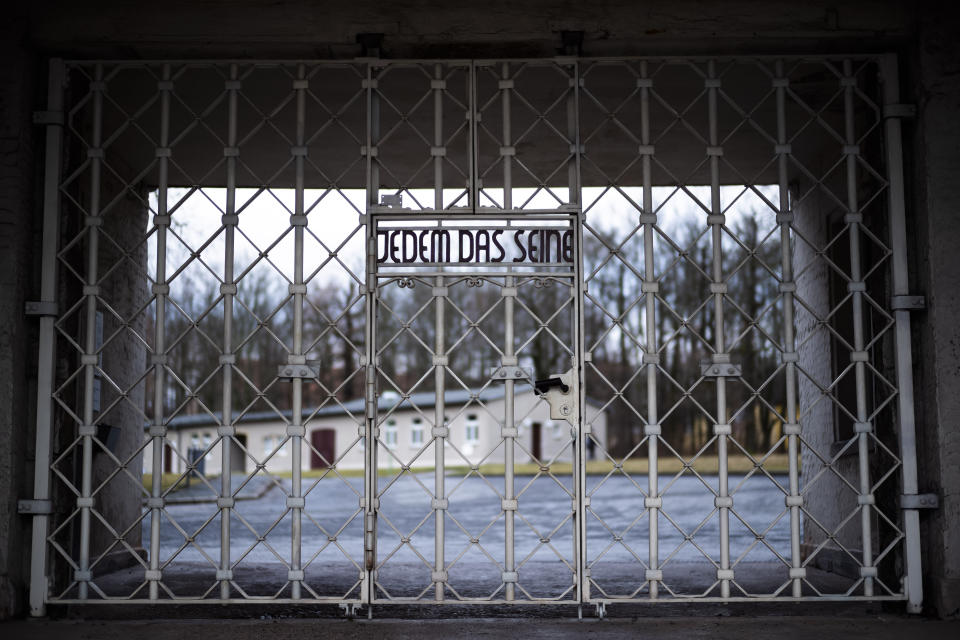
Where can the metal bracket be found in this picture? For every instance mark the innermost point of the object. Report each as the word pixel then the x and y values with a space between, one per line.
pixel 899 111
pixel 294 371
pixel 41 308
pixel 509 373
pixel 908 303
pixel 349 609
pixel 392 200
pixel 35 507
pixel 48 117
pixel 715 370
pixel 920 501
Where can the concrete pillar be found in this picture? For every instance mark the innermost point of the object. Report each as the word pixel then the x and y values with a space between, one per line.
pixel 17 333
pixel 125 288
pixel 827 499
pixel 936 220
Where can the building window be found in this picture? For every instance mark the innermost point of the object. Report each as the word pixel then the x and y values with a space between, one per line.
pixel 472 433
pixel 390 433
pixel 416 433
pixel 272 442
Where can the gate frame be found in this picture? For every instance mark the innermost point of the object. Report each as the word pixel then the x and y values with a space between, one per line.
pixel 40 509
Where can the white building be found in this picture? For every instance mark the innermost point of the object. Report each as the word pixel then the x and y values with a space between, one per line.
pixel 334 434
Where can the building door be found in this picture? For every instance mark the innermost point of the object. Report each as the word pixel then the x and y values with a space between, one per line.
pixel 324 448
pixel 536 443
pixel 238 461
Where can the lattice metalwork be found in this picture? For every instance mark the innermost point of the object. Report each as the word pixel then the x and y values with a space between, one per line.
pixel 743 423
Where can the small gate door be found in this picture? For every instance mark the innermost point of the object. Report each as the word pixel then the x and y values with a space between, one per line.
pixel 485 355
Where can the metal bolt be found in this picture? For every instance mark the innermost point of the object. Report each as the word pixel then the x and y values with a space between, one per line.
pixel 518 373
pixel 731 370
pixel 288 371
pixel 303 372
pixel 503 374
pixel 716 370
pixel 565 410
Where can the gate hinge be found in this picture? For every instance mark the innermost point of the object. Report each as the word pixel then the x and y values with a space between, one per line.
pixel 900 110
pixel 41 308
pixel 35 507
pixel 919 501
pixel 48 117
pixel 908 303
pixel 370 540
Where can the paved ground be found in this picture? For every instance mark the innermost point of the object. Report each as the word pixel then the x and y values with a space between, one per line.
pixel 712 628
pixel 617 538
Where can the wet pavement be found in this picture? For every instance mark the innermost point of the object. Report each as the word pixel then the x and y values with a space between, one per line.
pixel 617 540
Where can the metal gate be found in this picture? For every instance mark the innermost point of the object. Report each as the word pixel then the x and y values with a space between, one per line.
pixel 646 322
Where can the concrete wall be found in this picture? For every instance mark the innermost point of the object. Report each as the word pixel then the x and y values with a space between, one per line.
pixel 17 337
pixel 183 29
pixel 935 149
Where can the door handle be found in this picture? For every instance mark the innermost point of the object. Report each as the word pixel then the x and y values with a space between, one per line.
pixel 553 382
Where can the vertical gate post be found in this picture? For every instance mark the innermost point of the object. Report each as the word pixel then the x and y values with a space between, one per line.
pixel 913 581
pixel 370 361
pixel 158 431
pixel 721 428
pixel 438 433
pixel 650 287
pixel 578 289
pixel 229 290
pixel 298 291
pixel 856 288
pixel 792 427
pixel 47 346
pixel 509 452
pixel 90 356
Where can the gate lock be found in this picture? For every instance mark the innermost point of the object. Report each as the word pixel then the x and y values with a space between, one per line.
pixel 557 390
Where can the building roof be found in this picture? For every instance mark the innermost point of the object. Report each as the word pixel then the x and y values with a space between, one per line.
pixel 387 402
pixel 422 400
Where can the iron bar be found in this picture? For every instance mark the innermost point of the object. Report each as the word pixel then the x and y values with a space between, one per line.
pixel 509 449
pixel 577 290
pixel 856 278
pixel 904 356
pixel 159 340
pixel 792 427
pixel 90 354
pixel 648 219
pixel 439 349
pixel 47 342
pixel 228 290
pixel 368 588
pixel 297 355
pixel 721 428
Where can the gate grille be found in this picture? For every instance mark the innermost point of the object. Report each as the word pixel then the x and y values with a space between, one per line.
pixel 738 238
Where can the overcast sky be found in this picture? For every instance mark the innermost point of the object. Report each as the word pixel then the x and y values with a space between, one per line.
pixel 333 223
